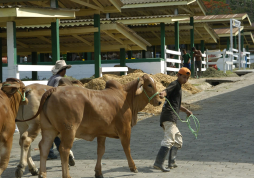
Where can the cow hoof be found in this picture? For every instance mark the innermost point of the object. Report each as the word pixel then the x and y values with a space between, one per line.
pixel 71 161
pixel 34 171
pixel 100 176
pixel 18 173
pixel 134 170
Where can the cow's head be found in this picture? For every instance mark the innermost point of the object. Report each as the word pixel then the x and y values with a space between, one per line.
pixel 147 87
pixel 12 86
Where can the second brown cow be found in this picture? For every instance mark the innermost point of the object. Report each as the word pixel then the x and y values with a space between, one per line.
pixel 83 113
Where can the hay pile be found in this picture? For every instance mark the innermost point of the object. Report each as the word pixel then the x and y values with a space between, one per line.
pixel 161 80
pixel 212 72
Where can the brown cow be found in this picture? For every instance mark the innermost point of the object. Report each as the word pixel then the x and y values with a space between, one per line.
pixel 83 113
pixel 29 130
pixel 11 96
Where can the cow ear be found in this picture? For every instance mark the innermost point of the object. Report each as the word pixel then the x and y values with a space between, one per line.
pixel 10 88
pixel 140 87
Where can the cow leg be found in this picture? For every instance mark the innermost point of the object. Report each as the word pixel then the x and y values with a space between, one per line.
pixel 45 144
pixel 26 139
pixel 5 151
pixel 125 140
pixel 100 153
pixel 64 150
pixel 32 168
pixel 22 162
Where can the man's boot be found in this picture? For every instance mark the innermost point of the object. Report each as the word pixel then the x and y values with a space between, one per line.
pixel 161 158
pixel 172 157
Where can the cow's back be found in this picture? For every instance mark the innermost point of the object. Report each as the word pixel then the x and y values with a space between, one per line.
pixel 93 110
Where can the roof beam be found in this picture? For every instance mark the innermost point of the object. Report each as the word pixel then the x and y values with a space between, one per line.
pixel 97 3
pixel 113 36
pixel 29 21
pixel 211 34
pixel 131 37
pixel 116 4
pixel 167 28
pixel 155 34
pixel 44 39
pixel 40 12
pixel 201 7
pixel 82 39
pixel 159 4
pixel 145 20
pixel 87 12
pixel 198 33
pixel 186 10
pixel 88 5
pixel 37 33
pixel 22 44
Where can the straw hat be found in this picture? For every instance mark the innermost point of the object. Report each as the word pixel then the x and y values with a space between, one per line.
pixel 59 66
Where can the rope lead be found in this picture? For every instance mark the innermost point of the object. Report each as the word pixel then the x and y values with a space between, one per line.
pixel 188 121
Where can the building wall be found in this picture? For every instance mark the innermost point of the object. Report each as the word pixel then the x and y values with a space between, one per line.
pixel 80 71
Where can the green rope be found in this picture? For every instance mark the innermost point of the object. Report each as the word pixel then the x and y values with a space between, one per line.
pixel 188 121
pixel 23 97
pixel 150 98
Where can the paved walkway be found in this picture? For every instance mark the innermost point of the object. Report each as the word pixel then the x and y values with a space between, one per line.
pixel 224 148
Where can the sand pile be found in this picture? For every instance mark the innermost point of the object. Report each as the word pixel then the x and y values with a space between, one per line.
pixel 165 80
pixel 161 80
pixel 212 72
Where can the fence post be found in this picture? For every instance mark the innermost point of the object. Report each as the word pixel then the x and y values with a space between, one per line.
pixel 165 60
pixel 207 58
pixel 224 61
pixel 179 58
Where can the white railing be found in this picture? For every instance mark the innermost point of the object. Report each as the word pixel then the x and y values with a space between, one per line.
pixel 247 54
pixel 240 58
pixel 33 68
pixel 177 53
pixel 113 69
pixel 224 61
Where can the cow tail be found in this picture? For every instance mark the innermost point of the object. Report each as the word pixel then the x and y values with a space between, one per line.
pixel 43 100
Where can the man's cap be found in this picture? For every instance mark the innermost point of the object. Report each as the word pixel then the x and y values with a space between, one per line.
pixel 185 71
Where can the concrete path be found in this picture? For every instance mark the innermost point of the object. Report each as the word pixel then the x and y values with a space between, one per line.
pixel 224 148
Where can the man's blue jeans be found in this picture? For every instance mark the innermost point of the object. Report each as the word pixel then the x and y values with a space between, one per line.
pixel 188 65
pixel 57 142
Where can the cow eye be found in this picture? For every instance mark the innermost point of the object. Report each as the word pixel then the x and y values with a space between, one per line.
pixel 150 85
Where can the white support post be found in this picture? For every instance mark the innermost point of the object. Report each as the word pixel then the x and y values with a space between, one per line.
pixel 11 50
pixel 224 61
pixel 239 47
pixel 179 58
pixel 231 42
pixel 207 58
pixel 165 61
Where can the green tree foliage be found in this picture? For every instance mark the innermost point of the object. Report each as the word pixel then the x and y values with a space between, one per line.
pixel 230 6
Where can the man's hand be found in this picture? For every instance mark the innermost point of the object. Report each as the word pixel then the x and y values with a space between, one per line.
pixel 188 113
pixel 162 94
pixel 183 109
